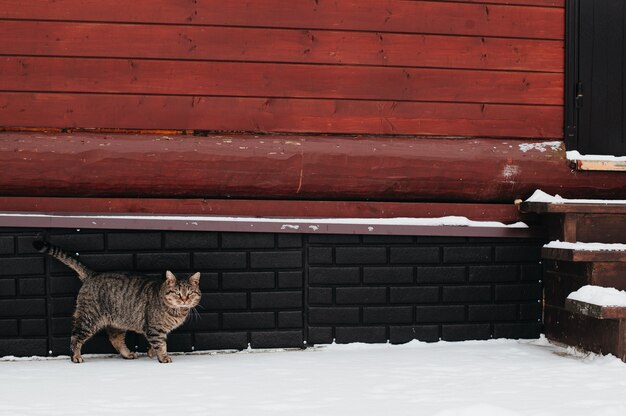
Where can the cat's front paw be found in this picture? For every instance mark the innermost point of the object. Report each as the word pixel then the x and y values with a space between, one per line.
pixel 77 359
pixel 130 356
pixel 165 359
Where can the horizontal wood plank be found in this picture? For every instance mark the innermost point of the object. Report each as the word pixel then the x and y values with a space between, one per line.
pixel 277 80
pixel 277 45
pixel 505 213
pixel 565 207
pixel 463 18
pixel 255 225
pixel 278 115
pixel 569 254
pixel 544 3
pixel 288 167
pixel 600 165
pixel 595 311
pixel 601 336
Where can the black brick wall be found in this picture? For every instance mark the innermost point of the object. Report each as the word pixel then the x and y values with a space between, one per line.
pixel 282 290
pixel 375 289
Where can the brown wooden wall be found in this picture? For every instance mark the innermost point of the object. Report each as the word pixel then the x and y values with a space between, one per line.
pixel 449 68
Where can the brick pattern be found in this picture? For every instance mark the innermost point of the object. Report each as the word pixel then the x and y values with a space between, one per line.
pixel 282 290
pixel 23 303
pixel 247 299
pixel 379 289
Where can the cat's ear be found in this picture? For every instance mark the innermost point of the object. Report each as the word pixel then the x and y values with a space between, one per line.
pixel 194 279
pixel 170 279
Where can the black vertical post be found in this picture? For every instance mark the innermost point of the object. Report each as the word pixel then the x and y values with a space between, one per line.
pixel 572 89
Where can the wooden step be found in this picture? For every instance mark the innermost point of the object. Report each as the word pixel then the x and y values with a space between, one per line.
pixel 568 269
pixel 603 336
pixel 588 320
pixel 543 203
pixel 569 265
pixel 598 273
pixel 574 207
pixel 583 255
pixel 560 278
pixel 585 220
pixel 595 311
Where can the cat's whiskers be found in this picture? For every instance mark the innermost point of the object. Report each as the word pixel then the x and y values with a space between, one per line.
pixel 194 314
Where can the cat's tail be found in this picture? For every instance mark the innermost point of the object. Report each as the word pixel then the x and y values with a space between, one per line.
pixel 45 247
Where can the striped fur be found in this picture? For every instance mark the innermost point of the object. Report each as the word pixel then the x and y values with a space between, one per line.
pixel 63 257
pixel 121 301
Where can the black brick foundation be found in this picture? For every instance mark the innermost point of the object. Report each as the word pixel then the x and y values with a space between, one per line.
pixel 282 290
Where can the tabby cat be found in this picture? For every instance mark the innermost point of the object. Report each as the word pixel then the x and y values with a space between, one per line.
pixel 120 302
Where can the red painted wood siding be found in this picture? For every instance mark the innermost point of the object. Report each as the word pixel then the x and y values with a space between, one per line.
pixel 443 68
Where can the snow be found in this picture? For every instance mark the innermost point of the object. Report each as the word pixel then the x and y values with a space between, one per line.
pixel 586 246
pixel 541 147
pixel 540 196
pixel 474 378
pixel 601 296
pixel 574 155
pixel 288 223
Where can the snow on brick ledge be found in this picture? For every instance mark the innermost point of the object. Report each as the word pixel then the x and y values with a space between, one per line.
pixel 601 296
pixel 586 246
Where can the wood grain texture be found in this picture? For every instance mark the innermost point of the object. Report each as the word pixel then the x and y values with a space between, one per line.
pixel 247 225
pixel 602 336
pixel 545 3
pixel 583 255
pixel 292 167
pixel 608 228
pixel 562 278
pixel 277 80
pixel 381 67
pixel 595 311
pixel 277 45
pixel 602 207
pixel 600 165
pixel 264 208
pixel 368 15
pixel 278 115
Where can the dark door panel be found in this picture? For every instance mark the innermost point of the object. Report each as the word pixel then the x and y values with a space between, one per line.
pixel 601 101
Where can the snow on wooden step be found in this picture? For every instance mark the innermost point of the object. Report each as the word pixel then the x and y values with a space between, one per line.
pixel 584 252
pixel 586 246
pixel 540 196
pixel 542 203
pixel 598 302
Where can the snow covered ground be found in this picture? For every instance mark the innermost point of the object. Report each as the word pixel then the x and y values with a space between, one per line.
pixel 482 378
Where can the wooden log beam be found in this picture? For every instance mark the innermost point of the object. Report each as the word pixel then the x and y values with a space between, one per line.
pixel 292 167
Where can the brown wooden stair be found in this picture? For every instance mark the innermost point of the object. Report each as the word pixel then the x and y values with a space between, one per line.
pixel 595 311
pixel 567 268
pixel 580 324
pixel 601 222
